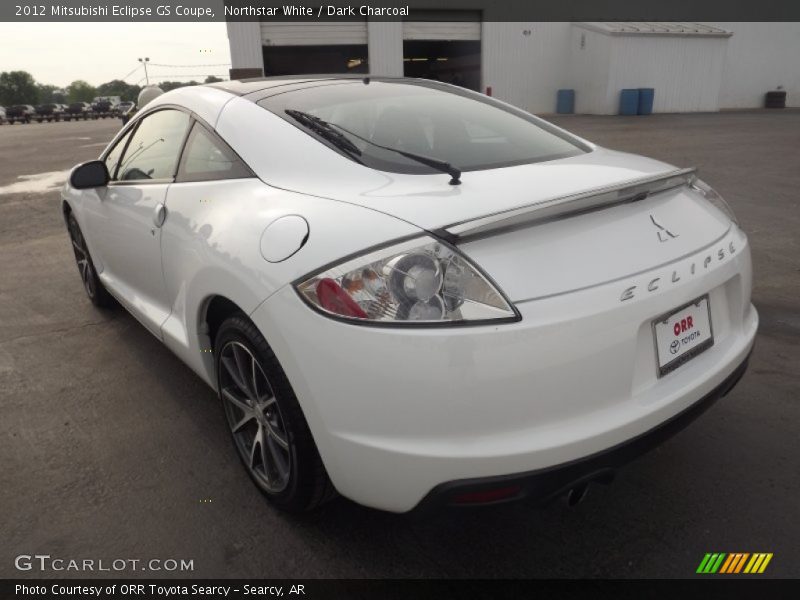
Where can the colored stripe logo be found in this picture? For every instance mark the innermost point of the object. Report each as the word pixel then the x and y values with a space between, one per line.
pixel 734 562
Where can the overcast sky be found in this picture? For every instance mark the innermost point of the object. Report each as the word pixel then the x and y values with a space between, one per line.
pixel 59 53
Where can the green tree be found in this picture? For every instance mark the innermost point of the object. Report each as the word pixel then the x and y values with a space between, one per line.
pixel 212 79
pixel 171 85
pixel 49 94
pixel 117 87
pixel 80 91
pixel 18 87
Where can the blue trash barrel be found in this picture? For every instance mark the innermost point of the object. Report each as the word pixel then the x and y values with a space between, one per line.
pixel 565 102
pixel 646 96
pixel 629 102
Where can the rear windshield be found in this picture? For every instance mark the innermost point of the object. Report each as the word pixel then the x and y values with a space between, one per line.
pixel 468 130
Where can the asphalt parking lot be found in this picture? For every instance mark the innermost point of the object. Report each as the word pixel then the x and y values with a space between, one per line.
pixel 111 448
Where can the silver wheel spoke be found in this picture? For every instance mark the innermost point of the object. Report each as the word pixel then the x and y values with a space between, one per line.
pixel 241 363
pixel 279 461
pixel 256 443
pixel 264 460
pixel 240 404
pixel 233 371
pixel 248 398
pixel 78 248
pixel 277 437
pixel 242 422
pixel 254 369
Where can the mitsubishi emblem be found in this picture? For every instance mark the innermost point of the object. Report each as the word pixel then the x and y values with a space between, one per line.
pixel 664 234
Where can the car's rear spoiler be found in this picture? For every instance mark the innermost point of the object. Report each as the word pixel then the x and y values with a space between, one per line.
pixel 566 206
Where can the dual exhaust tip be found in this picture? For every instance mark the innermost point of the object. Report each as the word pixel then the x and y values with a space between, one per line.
pixel 578 492
pixel 574 492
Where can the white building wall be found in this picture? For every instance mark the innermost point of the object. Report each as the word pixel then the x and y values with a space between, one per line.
pixel 525 70
pixel 313 33
pixel 760 57
pixel 686 72
pixel 589 68
pixel 385 44
pixel 245 42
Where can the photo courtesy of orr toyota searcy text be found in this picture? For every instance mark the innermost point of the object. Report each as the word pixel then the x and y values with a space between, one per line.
pixel 158 591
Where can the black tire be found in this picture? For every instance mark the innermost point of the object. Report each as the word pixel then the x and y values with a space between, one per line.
pixel 98 295
pixel 307 485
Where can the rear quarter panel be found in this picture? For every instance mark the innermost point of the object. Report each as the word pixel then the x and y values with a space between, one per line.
pixel 211 245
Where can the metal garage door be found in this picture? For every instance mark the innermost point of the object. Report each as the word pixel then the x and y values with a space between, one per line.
pixel 305 33
pixel 444 25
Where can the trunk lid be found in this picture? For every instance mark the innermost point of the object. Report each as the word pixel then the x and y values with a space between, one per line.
pixel 430 203
pixel 610 240
pixel 566 251
pixel 597 247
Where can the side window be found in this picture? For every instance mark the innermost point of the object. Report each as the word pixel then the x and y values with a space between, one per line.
pixel 112 158
pixel 155 147
pixel 207 158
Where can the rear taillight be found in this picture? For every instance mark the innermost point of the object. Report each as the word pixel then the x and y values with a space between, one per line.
pixel 419 281
pixel 334 299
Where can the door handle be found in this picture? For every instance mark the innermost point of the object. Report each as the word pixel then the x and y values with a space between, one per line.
pixel 159 214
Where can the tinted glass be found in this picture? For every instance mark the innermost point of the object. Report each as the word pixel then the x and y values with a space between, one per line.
pixel 155 147
pixel 466 129
pixel 112 158
pixel 206 158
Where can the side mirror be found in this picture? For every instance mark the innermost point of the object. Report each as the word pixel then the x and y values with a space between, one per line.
pixel 90 174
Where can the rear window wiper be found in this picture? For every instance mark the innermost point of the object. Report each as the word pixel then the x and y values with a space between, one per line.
pixel 327 130
pixel 434 163
pixel 324 130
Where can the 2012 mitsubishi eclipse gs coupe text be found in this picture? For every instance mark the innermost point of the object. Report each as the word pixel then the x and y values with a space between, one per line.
pixel 413 294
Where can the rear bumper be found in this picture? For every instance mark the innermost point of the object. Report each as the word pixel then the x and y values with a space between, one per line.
pixel 543 485
pixel 397 413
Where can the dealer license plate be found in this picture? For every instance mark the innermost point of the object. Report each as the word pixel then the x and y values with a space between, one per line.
pixel 683 334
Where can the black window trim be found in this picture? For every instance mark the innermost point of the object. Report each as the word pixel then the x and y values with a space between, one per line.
pixel 133 127
pixel 130 129
pixel 180 175
pixel 193 118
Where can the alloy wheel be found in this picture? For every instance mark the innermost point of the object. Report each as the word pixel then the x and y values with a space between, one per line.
pixel 254 417
pixel 82 258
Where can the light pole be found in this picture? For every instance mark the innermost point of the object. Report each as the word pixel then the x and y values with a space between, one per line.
pixel 144 61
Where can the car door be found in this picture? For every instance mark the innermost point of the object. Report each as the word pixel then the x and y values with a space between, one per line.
pixel 210 177
pixel 125 222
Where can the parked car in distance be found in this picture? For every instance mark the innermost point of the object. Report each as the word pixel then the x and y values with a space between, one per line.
pixel 77 111
pixel 2 115
pixel 412 293
pixel 105 106
pixel 20 113
pixel 126 110
pixel 48 112
pixel 124 107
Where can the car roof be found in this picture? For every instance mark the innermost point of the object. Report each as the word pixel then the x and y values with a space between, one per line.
pixel 243 87
pixel 208 100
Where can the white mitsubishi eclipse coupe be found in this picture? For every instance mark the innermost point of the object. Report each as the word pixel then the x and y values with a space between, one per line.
pixel 413 294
